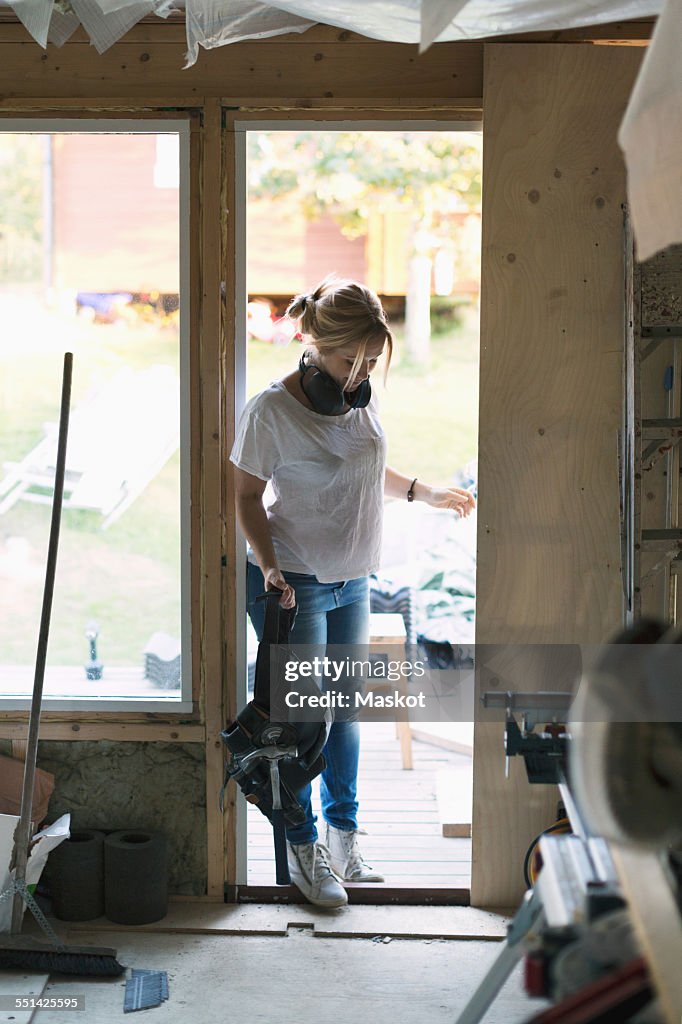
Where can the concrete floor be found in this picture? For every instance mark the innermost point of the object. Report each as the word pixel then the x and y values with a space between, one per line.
pixel 297 978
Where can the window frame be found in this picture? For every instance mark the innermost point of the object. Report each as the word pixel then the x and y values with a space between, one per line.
pixel 179 122
pixel 238 125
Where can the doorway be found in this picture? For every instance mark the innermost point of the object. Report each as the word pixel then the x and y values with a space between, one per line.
pixel 396 206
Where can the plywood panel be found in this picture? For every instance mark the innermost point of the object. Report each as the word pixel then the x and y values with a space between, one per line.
pixel 551 392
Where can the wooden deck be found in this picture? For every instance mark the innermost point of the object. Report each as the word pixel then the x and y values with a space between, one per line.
pixel 401 812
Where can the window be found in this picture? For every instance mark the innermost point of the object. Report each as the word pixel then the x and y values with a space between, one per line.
pixel 93 230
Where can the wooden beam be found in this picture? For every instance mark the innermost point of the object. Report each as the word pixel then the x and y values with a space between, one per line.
pixel 332 65
pixel 78 718
pixel 230 584
pixel 194 255
pixel 334 68
pixel 462 109
pixel 117 731
pixel 210 454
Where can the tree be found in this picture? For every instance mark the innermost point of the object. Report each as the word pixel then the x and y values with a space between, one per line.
pixel 20 208
pixel 350 174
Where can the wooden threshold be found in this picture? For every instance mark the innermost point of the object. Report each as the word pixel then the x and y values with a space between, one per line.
pixel 375 895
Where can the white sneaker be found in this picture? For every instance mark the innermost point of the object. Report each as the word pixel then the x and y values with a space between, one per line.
pixel 311 871
pixel 348 864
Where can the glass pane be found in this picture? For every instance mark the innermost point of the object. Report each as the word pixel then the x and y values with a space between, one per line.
pixel 89 263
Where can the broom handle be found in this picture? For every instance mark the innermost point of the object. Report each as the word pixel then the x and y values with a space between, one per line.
pixel 23 830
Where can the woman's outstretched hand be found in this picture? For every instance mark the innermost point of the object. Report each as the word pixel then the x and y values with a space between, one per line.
pixel 275 580
pixel 456 498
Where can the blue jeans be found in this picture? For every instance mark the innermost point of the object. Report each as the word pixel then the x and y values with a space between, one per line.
pixel 328 613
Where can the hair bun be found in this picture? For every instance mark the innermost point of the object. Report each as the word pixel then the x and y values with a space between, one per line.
pixel 299 307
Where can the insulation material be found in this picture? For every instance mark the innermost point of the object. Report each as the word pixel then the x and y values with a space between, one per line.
pixel 651 139
pixel 35 17
pixel 213 23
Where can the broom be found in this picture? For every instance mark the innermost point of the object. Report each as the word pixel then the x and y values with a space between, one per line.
pixel 17 951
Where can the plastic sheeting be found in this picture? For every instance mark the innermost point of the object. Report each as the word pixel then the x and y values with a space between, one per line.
pixel 62 25
pixel 218 22
pixel 35 17
pixel 105 29
pixel 651 139
pixel 213 23
pixel 435 18
pixel 400 20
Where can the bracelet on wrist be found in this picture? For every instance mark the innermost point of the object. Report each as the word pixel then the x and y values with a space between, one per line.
pixel 410 493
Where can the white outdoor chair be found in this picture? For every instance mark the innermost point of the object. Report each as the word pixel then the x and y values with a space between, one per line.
pixel 118 441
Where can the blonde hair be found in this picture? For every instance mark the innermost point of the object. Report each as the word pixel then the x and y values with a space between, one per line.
pixel 340 312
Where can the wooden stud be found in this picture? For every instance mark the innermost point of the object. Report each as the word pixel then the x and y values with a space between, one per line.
pixel 464 109
pixel 210 454
pixel 195 432
pixel 229 361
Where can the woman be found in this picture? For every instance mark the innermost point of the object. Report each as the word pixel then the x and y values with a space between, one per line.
pixel 315 438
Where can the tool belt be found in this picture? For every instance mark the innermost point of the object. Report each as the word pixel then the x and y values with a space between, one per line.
pixel 272 761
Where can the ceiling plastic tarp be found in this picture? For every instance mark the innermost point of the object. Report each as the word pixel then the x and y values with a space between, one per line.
pixel 218 22
pixel 400 20
pixel 651 133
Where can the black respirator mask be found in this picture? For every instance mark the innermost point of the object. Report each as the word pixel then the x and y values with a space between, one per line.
pixel 325 395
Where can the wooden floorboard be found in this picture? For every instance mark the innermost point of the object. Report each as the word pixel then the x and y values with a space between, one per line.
pixel 400 811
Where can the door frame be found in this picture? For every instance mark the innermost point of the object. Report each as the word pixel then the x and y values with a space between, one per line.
pixel 236 124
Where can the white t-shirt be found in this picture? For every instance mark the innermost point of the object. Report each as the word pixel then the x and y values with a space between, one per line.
pixel 325 494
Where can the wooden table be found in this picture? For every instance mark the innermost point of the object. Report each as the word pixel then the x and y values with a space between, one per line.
pixel 387 630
